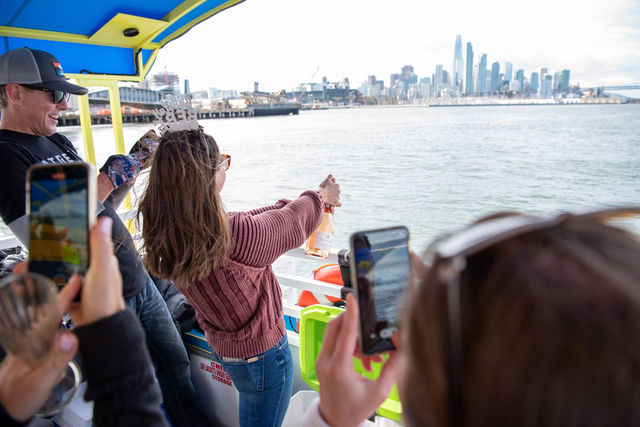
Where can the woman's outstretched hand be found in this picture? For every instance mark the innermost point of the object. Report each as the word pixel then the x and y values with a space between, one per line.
pixel 330 191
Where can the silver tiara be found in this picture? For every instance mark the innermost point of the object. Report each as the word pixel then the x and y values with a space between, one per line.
pixel 175 115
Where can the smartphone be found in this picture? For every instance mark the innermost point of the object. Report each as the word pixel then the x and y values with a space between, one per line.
pixel 61 204
pixel 379 264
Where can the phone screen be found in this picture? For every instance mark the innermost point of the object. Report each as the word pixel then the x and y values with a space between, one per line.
pixel 380 269
pixel 59 220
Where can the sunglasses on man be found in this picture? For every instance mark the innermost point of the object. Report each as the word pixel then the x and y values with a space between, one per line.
pixel 57 95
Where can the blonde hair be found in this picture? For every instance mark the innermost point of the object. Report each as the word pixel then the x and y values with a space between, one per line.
pixel 184 225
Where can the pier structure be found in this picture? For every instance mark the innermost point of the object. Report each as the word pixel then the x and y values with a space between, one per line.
pixel 72 118
pixel 138 105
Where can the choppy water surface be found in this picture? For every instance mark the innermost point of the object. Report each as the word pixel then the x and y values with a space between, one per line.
pixel 432 169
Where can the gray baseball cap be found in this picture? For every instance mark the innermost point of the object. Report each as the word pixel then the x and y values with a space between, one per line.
pixel 35 68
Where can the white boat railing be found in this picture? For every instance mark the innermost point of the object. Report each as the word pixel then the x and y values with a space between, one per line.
pixel 293 284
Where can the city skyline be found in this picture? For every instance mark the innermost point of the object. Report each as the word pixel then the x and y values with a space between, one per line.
pixel 282 43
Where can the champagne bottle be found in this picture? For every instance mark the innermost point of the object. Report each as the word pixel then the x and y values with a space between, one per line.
pixel 319 243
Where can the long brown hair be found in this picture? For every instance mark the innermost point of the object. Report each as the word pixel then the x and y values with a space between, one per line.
pixel 184 225
pixel 551 334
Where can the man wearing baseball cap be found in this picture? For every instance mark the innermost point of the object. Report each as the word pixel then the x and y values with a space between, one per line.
pixel 33 93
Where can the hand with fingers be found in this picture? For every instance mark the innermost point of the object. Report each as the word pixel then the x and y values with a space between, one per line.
pixel 23 387
pixel 346 397
pixel 123 169
pixel 146 146
pixel 330 191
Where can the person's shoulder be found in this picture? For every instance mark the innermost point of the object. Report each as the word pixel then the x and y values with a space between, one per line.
pixel 62 140
pixel 12 145
pixel 10 140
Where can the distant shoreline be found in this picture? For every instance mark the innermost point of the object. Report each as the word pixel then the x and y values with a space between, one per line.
pixel 515 104
pixel 529 104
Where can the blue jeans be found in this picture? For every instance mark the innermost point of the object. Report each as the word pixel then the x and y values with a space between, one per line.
pixel 169 358
pixel 264 385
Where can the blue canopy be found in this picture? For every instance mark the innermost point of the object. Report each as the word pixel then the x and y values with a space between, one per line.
pixel 107 37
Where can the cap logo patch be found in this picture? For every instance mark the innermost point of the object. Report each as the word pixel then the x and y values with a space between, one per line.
pixel 58 68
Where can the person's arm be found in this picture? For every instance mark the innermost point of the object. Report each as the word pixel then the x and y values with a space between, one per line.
pixel 121 170
pixel 277 205
pixel 116 361
pixel 105 187
pixel 262 238
pixel 312 417
pixel 119 372
pixel 8 421
pixel 346 397
pixel 24 388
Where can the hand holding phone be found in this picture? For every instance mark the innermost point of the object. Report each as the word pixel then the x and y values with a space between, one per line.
pixel 61 203
pixel 380 270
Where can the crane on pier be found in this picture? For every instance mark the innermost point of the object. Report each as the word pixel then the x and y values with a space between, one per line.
pixel 314 74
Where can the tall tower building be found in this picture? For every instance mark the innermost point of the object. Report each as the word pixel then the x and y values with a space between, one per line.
pixel 458 64
pixel 564 80
pixel 407 77
pixel 468 87
pixel 543 72
pixel 482 74
pixel 508 71
pixel 407 72
pixel 520 79
pixel 495 77
pixel 187 87
pixel 438 80
pixel 394 79
pixel 546 87
pixel 534 82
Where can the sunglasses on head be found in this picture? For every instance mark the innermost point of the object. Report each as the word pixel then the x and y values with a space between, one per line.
pixel 452 253
pixel 57 95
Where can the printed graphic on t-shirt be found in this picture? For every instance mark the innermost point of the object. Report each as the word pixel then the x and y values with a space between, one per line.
pixel 60 158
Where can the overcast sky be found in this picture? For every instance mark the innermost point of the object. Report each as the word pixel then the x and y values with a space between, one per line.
pixel 281 43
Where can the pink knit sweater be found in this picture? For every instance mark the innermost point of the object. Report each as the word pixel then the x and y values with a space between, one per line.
pixel 239 305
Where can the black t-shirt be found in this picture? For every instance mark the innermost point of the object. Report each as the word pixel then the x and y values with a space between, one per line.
pixel 19 151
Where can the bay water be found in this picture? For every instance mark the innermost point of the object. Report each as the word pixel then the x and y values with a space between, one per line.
pixel 431 169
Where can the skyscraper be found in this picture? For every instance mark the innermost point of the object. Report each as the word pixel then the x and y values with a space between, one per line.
pixel 457 63
pixel 482 74
pixel 520 79
pixel 438 80
pixel 534 82
pixel 543 72
pixel 508 71
pixel 394 79
pixel 495 77
pixel 468 87
pixel 407 77
pixel 546 87
pixel 564 81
